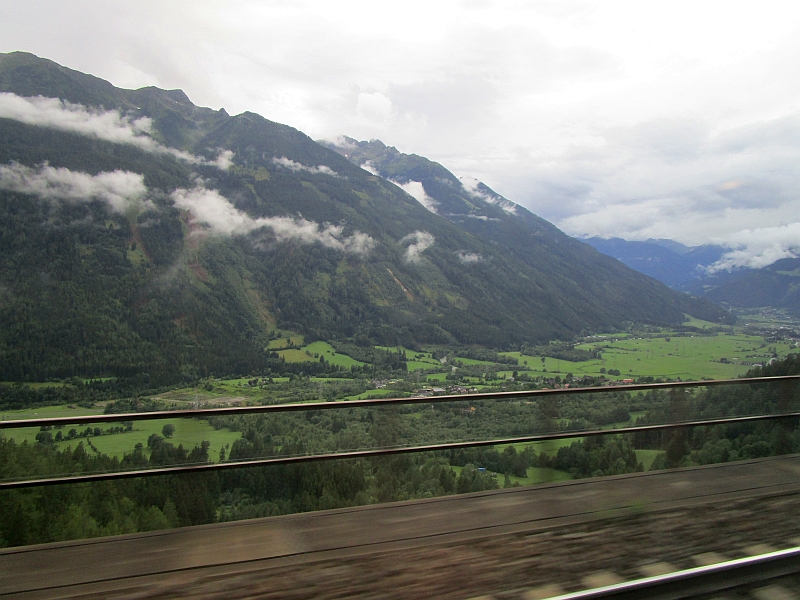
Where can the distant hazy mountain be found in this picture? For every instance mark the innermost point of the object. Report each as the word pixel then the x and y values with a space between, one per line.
pixel 676 247
pixel 670 262
pixel 141 235
pixel 777 285
pixel 682 268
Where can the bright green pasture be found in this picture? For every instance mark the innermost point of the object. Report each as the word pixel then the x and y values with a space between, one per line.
pixel 554 366
pixel 235 382
pixel 646 457
pixel 373 393
pixel 331 356
pixel 418 355
pixel 436 377
pixel 322 349
pixel 685 357
pixel 36 385
pixel 49 412
pixel 549 447
pixel 691 357
pixel 699 323
pixel 415 360
pixel 540 475
pixel 296 340
pixel 189 432
pixel 472 361
pixel 293 355
pixel 417 365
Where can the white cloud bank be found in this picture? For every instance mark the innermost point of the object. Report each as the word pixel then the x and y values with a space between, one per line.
pixel 110 126
pixel 123 190
pixel 120 189
pixel 420 241
pixel 759 248
pixel 417 191
pixel 295 167
pixel 214 210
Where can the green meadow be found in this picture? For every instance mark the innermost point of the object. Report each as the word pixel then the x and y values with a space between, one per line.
pixel 719 356
pixel 321 349
pixel 294 340
pixel 189 432
pixel 383 393
pixel 416 360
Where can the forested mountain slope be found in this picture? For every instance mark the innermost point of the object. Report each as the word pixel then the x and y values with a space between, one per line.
pixel 541 246
pixel 143 236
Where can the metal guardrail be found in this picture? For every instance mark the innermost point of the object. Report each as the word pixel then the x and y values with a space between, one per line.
pixel 376 452
pixel 701 580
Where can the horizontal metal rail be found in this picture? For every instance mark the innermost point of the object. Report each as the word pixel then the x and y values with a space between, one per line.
pixel 376 452
pixel 701 580
pixel 308 406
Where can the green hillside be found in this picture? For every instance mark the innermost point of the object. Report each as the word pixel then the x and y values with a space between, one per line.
pixel 146 257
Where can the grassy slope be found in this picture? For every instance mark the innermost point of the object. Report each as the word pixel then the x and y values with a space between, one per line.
pixel 189 432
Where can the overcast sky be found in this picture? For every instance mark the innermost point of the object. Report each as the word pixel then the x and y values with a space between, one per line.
pixel 636 119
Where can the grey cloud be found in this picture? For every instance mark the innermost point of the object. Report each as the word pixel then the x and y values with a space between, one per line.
pixel 122 190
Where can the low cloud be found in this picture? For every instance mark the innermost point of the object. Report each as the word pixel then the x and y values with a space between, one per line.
pixel 110 126
pixel 209 207
pixel 417 191
pixel 759 248
pixel 369 168
pixel 341 141
pixel 472 187
pixel 469 257
pixel 479 217
pixel 120 189
pixel 224 160
pixel 287 163
pixel 420 241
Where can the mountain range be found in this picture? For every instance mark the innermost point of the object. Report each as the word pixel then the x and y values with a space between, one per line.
pixel 670 262
pixel 684 268
pixel 141 235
